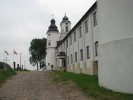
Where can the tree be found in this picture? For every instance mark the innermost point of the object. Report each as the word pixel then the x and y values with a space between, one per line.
pixel 3 64
pixel 38 51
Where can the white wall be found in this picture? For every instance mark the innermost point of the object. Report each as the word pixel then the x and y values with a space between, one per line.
pixel 116 65
pixel 115 19
pixel 51 51
pixel 50 58
pixel 54 37
pixel 95 34
pixel 76 46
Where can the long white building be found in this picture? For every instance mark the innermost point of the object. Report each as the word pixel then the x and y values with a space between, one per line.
pixel 99 44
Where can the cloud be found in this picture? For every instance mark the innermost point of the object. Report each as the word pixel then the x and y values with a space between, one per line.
pixel 23 20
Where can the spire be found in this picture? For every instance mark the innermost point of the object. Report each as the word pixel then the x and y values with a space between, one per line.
pixel 52 16
pixel 65 18
pixel 52 27
pixel 65 13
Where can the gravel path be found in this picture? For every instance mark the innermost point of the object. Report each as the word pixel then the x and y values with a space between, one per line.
pixel 39 86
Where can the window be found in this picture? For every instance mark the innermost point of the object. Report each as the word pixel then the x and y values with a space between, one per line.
pixel 75 36
pixel 66 28
pixel 49 44
pixel 94 19
pixel 86 26
pixel 81 54
pixel 48 64
pixel 96 48
pixel 70 39
pixel 75 56
pixel 80 32
pixel 71 58
pixel 49 34
pixel 88 52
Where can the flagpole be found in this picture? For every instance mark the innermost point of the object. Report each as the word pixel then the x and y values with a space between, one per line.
pixel 20 60
pixel 4 59
pixel 6 63
pixel 13 56
pixel 14 63
pixel 13 60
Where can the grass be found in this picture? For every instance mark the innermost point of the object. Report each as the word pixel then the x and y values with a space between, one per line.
pixel 4 74
pixel 89 84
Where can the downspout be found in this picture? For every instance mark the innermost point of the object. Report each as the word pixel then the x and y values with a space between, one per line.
pixel 92 37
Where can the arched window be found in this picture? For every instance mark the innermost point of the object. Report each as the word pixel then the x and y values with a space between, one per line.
pixel 96 48
pixel 66 28
pixel 81 54
pixel 49 43
pixel 75 56
pixel 88 52
pixel 71 58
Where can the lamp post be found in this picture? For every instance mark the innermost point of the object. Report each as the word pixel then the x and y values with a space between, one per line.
pixel 20 60
pixel 24 64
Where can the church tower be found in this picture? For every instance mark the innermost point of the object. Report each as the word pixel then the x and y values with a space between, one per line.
pixel 65 26
pixel 52 38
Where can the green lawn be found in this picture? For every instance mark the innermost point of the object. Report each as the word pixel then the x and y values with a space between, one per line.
pixel 89 84
pixel 4 74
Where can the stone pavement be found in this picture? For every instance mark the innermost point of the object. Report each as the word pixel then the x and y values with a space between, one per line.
pixel 35 85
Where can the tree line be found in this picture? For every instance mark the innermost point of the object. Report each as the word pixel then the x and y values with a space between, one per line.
pixel 2 65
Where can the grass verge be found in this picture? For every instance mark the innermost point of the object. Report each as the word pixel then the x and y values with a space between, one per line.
pixel 89 84
pixel 4 74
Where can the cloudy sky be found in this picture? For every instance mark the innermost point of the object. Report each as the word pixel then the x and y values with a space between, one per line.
pixel 23 20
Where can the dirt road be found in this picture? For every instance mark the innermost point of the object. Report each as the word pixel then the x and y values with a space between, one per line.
pixel 39 86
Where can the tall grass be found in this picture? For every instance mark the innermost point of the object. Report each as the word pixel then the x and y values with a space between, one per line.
pixel 89 84
pixel 4 74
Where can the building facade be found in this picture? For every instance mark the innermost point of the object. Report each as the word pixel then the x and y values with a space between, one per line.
pixel 99 44
pixel 78 46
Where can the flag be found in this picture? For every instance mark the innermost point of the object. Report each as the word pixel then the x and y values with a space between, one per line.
pixel 6 52
pixel 14 52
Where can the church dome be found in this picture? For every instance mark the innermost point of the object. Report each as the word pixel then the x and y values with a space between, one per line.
pixel 65 18
pixel 53 27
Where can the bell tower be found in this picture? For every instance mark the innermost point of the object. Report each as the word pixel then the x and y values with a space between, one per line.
pixel 52 38
pixel 65 26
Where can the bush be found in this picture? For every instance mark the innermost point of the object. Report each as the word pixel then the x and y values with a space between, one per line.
pixel 2 64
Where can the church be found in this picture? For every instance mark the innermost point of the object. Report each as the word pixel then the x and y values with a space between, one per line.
pixel 101 43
